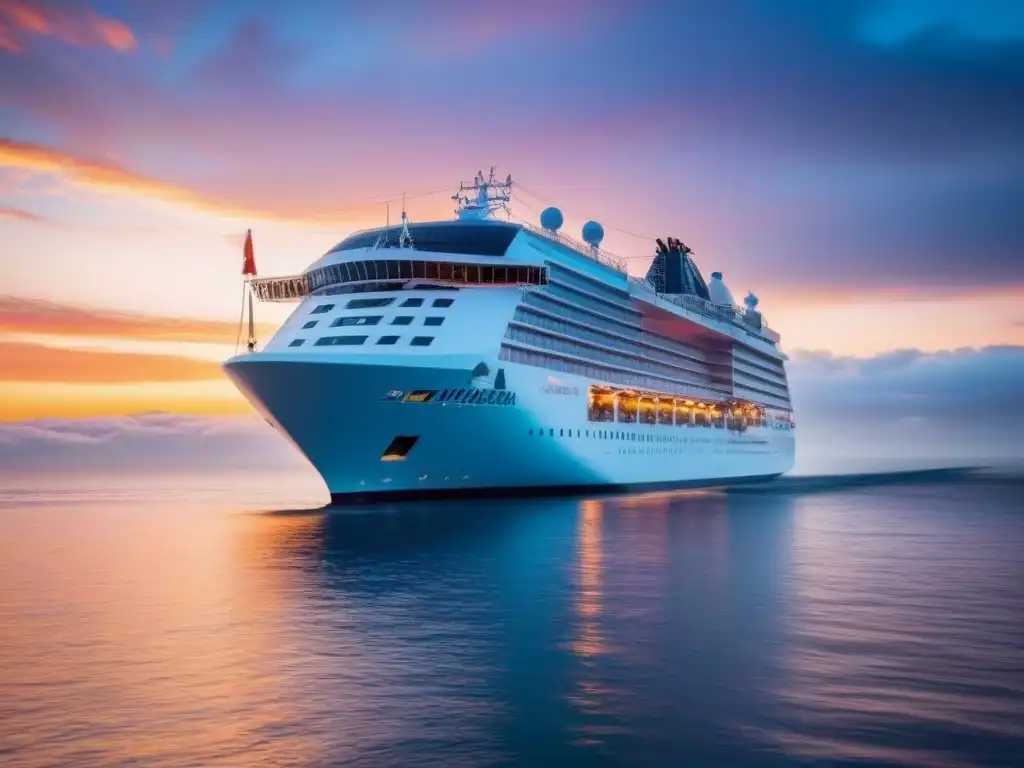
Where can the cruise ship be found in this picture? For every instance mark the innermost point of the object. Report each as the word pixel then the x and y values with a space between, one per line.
pixel 486 356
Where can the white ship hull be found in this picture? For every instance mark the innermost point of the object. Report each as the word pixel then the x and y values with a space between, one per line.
pixel 534 436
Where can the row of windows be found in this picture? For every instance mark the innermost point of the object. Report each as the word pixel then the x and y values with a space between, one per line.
pixel 587 350
pixel 617 310
pixel 604 339
pixel 757 360
pixel 382 301
pixel 554 362
pixel 562 274
pixel 631 330
pixel 473 274
pixel 766 397
pixel 742 378
pixel 758 374
pixel 355 341
pixel 345 322
pixel 631 409
pixel 375 286
pixel 752 446
pixel 572 324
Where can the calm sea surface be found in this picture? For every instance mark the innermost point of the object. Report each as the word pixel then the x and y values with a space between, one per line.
pixel 228 621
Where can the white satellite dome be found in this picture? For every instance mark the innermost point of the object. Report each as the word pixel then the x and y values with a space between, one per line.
pixel 720 294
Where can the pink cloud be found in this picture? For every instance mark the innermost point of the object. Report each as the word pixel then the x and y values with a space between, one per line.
pixel 79 27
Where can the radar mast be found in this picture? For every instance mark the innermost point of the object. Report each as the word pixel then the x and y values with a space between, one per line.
pixel 486 198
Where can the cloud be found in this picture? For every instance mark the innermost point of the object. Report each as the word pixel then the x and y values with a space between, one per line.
pixel 959 404
pixel 79 26
pixel 33 316
pixel 110 177
pixel 25 362
pixel 17 214
pixel 156 440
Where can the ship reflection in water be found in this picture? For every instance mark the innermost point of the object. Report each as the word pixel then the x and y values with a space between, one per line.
pixel 180 627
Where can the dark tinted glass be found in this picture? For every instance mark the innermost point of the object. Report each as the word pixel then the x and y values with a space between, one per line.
pixel 412 303
pixel 296 343
pixel 443 302
pixel 433 320
pixel 482 238
pixel 387 339
pixel 309 325
pixel 422 341
pixel 322 309
pixel 402 320
pixel 340 341
pixel 342 322
pixel 365 303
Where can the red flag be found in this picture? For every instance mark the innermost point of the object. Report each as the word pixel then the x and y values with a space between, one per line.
pixel 248 258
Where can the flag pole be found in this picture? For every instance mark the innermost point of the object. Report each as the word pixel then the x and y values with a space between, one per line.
pixel 252 329
pixel 248 271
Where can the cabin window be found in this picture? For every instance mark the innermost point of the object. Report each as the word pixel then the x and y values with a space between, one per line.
pixel 628 407
pixel 422 341
pixel 367 303
pixel 297 342
pixel 310 324
pixel 399 447
pixel 412 303
pixel 402 320
pixel 647 410
pixel 322 309
pixel 443 302
pixel 665 411
pixel 387 340
pixel 601 407
pixel 342 322
pixel 340 341
pixel 433 320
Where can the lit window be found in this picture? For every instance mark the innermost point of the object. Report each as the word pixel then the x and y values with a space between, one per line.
pixel 433 320
pixel 402 320
pixel 310 324
pixel 387 339
pixel 322 309
pixel 422 341
pixel 367 303
pixel 297 342
pixel 412 303
pixel 443 302
pixel 340 341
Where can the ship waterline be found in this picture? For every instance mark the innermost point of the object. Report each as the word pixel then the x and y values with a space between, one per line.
pixel 480 356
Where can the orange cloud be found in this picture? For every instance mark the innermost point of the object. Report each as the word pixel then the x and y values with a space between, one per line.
pixel 36 400
pixel 39 363
pixel 80 27
pixel 112 178
pixel 33 316
pixel 18 214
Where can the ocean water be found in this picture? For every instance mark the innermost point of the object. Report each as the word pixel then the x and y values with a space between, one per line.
pixel 229 620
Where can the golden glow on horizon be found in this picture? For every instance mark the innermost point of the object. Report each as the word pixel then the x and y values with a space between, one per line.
pixel 20 401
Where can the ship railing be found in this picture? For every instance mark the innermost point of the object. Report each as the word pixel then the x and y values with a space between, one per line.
pixel 280 289
pixel 706 309
pixel 598 255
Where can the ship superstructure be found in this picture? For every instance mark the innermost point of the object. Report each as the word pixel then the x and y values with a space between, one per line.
pixel 485 356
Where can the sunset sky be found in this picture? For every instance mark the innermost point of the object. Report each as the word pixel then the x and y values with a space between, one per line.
pixel 859 164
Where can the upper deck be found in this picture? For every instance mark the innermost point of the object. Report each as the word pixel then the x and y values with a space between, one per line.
pixel 482 253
